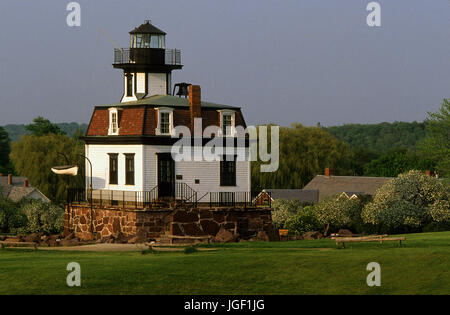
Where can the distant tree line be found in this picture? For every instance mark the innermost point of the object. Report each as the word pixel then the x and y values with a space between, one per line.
pixel 15 131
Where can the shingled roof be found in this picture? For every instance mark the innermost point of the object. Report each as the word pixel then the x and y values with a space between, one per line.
pixel 306 196
pixel 332 185
pixel 167 100
pixel 17 191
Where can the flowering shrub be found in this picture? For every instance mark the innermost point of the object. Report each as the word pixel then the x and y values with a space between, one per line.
pixel 42 217
pixel 283 211
pixel 337 211
pixel 303 221
pixel 407 203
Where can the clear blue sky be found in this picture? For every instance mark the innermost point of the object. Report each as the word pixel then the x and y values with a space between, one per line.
pixel 285 61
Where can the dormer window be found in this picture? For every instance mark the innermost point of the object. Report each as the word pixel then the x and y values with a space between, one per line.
pixel 227 122
pixel 113 122
pixel 165 121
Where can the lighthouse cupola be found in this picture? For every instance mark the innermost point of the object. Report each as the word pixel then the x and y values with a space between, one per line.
pixel 147 65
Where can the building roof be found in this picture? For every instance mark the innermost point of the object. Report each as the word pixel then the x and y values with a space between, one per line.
pixel 139 118
pixel 147 28
pixel 332 185
pixel 16 180
pixel 17 191
pixel 302 195
pixel 168 100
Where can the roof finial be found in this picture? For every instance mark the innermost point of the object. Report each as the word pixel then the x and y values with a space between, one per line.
pixel 147 21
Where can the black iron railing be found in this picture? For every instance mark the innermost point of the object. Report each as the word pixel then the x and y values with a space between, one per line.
pixel 131 199
pixel 185 193
pixel 231 199
pixel 150 199
pixel 147 56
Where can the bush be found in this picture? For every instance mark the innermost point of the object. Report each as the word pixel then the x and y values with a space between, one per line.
pixel 11 218
pixel 42 217
pixel 303 221
pixel 283 211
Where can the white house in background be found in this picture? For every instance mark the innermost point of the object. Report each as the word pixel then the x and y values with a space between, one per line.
pixel 129 143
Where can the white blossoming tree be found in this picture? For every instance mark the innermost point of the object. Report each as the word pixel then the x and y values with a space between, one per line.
pixel 337 211
pixel 283 210
pixel 408 202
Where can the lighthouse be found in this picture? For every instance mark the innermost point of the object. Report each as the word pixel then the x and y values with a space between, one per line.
pixel 147 64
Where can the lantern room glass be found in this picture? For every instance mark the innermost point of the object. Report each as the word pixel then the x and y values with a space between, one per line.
pixel 148 41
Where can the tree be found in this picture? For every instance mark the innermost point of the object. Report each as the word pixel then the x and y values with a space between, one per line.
pixel 4 149
pixel 404 203
pixel 304 153
pixel 380 137
pixel 360 157
pixel 337 211
pixel 437 141
pixel 283 210
pixel 34 156
pixel 395 162
pixel 303 221
pixel 42 126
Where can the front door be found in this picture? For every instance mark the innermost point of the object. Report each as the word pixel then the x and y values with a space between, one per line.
pixel 166 178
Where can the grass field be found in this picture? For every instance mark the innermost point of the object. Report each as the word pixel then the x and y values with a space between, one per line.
pixel 420 266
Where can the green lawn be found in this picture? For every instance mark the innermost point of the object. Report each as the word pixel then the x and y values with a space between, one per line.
pixel 420 266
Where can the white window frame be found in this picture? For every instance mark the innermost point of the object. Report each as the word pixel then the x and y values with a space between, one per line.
pixel 232 113
pixel 111 132
pixel 161 110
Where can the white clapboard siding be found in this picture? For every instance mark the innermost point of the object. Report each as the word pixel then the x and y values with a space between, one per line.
pixel 146 176
pixel 156 84
pixel 98 154
pixel 140 83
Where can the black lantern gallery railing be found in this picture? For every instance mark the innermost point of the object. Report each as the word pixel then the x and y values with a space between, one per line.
pixel 152 56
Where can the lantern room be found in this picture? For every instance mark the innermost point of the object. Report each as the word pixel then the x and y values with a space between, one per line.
pixel 147 36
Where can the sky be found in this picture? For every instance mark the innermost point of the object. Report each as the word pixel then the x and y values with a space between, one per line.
pixel 283 62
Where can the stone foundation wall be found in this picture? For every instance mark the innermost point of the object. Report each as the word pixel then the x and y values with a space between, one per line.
pixel 201 222
pixel 108 222
pixel 155 223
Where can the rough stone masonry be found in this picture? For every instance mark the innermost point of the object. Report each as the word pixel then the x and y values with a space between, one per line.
pixel 152 224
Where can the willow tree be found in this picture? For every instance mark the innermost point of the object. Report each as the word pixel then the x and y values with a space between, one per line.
pixel 304 153
pixel 34 156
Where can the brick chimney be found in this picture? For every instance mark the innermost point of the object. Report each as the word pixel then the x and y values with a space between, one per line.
pixel 25 183
pixel 428 173
pixel 328 172
pixel 9 179
pixel 195 105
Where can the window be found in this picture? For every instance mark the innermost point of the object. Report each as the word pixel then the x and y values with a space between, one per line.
pixel 228 172
pixel 165 121
pixel 113 168
pixel 113 121
pixel 227 122
pixel 129 84
pixel 129 169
